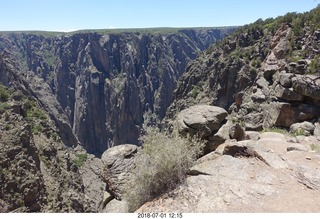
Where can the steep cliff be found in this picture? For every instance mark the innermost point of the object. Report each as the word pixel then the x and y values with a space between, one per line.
pixel 100 87
pixel 37 172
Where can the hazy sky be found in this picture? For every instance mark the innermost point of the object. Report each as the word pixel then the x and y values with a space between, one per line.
pixel 67 15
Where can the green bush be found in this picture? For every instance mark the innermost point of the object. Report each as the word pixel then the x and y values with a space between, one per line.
pixel 4 95
pixel 36 129
pixel 33 111
pixel 81 159
pixel 314 66
pixel 4 107
pixel 195 91
pixel 161 165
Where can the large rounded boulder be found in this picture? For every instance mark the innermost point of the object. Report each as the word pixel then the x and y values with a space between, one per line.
pixel 118 165
pixel 201 120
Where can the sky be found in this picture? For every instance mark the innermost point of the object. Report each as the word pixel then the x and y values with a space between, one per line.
pixel 70 15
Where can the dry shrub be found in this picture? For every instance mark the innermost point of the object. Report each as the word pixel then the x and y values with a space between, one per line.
pixel 161 165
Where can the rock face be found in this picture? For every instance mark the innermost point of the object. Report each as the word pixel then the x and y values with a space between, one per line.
pixel 98 86
pixel 37 172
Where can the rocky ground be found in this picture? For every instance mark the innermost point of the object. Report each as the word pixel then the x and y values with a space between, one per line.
pixel 271 174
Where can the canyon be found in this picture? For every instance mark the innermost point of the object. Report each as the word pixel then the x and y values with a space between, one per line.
pixel 101 88
pixel 74 106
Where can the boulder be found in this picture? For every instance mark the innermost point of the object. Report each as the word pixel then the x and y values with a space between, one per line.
pixel 307 85
pixel 287 93
pixel 254 121
pixel 234 149
pixel 237 132
pixel 296 68
pixel 309 176
pixel 305 128
pixel 306 112
pixel 107 197
pixel 258 96
pixel 200 120
pixel 118 164
pixel 263 84
pixel 316 131
pixel 279 114
pixel 222 134
pixel 228 131
pixel 285 79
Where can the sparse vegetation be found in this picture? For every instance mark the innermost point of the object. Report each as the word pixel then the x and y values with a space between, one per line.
pixel 4 94
pixel 80 159
pixel 195 91
pixel 36 129
pixel 33 111
pixel 299 132
pixel 4 107
pixel 277 130
pixel 314 66
pixel 161 166
pixel 315 147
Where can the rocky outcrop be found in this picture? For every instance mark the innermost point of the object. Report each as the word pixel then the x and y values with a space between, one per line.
pixel 91 174
pixel 97 86
pixel 252 75
pixel 118 165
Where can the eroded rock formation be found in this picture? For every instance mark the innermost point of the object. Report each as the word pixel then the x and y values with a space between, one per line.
pixel 100 88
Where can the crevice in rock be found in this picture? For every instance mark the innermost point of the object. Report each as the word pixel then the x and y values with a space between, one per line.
pixel 197 173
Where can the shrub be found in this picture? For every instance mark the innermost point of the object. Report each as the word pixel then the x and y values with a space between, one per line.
pixel 54 135
pixel 314 65
pixel 299 132
pixel 315 148
pixel 33 111
pixel 161 165
pixel 36 129
pixel 195 91
pixel 4 95
pixel 4 107
pixel 80 159
pixel 277 130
